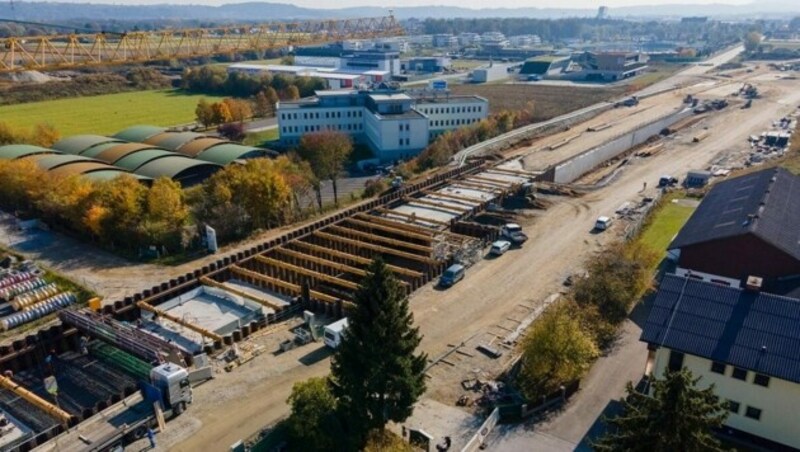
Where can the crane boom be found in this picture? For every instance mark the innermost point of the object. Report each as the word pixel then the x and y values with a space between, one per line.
pixel 71 51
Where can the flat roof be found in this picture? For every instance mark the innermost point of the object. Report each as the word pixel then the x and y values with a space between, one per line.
pixel 389 97
pixel 449 99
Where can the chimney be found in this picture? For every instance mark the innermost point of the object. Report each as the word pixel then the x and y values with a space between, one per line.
pixel 754 283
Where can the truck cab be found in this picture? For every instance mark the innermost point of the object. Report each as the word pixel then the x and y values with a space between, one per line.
pixel 334 333
pixel 513 233
pixel 173 382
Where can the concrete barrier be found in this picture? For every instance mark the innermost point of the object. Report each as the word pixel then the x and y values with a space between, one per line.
pixel 573 168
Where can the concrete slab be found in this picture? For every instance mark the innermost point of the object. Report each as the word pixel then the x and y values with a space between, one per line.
pixel 427 212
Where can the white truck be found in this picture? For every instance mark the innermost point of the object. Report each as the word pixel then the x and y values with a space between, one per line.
pixel 513 233
pixel 334 333
pixel 129 419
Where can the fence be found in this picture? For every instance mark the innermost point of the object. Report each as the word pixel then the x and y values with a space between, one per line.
pixel 633 228
pixel 480 436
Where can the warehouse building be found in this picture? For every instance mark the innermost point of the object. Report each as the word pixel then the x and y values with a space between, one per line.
pixel 613 66
pixel 64 165
pixel 545 66
pixel 392 123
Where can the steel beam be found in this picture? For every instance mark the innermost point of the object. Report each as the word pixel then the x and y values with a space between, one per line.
pixel 419 229
pixel 462 199
pixel 476 186
pixel 488 180
pixel 294 288
pixel 412 218
pixel 393 230
pixel 354 258
pixel 436 205
pixel 241 293
pixel 310 273
pixel 377 248
pixel 35 400
pixel 378 238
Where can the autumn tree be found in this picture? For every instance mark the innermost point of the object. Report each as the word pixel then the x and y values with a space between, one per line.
pixel 239 109
pixel 272 98
pixel 675 416
pixel 261 105
pixel 204 113
pixel 376 372
pixel 292 93
pixel 556 351
pixel 166 214
pixel 222 113
pixel 45 135
pixel 64 200
pixel 752 41
pixel 8 135
pixel 124 200
pixel 20 180
pixel 326 152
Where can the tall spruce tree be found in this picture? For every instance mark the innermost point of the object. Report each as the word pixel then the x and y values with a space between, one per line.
pixel 677 417
pixel 377 377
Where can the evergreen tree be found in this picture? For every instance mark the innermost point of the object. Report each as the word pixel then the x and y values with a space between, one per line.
pixel 377 377
pixel 677 417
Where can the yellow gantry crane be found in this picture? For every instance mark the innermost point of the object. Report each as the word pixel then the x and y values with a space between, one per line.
pixel 71 51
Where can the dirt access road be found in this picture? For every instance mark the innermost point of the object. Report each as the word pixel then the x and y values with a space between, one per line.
pixel 254 396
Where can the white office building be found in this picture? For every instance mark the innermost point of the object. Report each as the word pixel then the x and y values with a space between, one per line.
pixel 392 123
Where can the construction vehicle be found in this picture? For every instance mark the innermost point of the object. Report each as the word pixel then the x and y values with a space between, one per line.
pixel 513 233
pixel 167 395
pixel 397 182
pixel 747 104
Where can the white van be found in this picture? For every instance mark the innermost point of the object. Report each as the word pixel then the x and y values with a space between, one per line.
pixel 334 333
pixel 602 223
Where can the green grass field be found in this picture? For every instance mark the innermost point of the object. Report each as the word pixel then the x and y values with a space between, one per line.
pixel 106 114
pixel 262 138
pixel 665 223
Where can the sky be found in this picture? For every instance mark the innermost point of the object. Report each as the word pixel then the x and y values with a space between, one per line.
pixel 477 4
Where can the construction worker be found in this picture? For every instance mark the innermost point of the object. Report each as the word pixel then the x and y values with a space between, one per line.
pixel 151 435
pixel 84 345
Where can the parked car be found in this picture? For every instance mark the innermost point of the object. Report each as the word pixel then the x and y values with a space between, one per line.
pixel 452 275
pixel 500 247
pixel 667 181
pixel 602 223
pixel 512 232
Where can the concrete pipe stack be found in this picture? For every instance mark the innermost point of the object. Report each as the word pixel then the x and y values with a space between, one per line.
pixel 38 310
pixel 26 300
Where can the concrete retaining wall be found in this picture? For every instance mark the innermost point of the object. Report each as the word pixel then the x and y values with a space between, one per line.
pixel 570 170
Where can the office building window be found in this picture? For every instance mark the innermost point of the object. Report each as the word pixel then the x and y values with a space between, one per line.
pixel 733 407
pixel 739 374
pixel 400 127
pixel 400 142
pixel 753 413
pixel 718 368
pixel 761 380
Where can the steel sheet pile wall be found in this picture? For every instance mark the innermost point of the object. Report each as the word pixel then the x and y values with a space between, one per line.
pixel 575 167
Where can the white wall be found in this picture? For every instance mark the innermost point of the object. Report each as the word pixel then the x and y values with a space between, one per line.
pixel 445 116
pixel 778 403
pixel 708 277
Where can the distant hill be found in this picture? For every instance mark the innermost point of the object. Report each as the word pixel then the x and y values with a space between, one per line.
pixel 262 11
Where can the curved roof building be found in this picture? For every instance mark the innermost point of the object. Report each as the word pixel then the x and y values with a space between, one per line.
pixel 181 169
pixel 135 160
pixel 195 147
pixel 17 151
pixel 138 133
pixel 224 154
pixel 173 140
pixel 79 144
pixel 114 153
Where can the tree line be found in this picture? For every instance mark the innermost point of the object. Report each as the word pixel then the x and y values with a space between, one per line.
pixel 216 80
pixel 124 214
